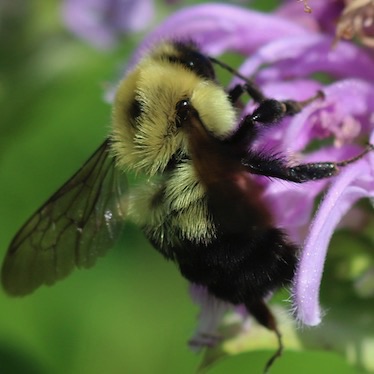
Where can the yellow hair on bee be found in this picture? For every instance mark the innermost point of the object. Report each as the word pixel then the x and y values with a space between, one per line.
pixel 221 120
pixel 147 142
pixel 186 211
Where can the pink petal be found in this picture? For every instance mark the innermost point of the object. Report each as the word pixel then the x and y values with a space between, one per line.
pixel 221 27
pixel 300 55
pixel 355 181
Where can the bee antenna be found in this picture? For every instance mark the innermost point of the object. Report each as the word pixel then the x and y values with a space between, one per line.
pixel 228 68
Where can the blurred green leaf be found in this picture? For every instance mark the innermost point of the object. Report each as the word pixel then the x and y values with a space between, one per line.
pixel 290 362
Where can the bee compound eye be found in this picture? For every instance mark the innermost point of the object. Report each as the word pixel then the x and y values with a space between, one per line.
pixel 183 109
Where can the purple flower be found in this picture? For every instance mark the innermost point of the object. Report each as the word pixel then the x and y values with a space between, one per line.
pixel 345 19
pixel 102 22
pixel 284 55
pixel 323 16
pixel 353 183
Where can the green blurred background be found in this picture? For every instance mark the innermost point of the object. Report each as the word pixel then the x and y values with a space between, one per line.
pixel 132 312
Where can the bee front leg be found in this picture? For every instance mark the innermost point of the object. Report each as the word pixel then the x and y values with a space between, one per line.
pixel 272 111
pixel 269 110
pixel 248 87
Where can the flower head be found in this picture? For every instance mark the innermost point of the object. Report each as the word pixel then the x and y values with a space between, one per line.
pixel 346 19
pixel 357 19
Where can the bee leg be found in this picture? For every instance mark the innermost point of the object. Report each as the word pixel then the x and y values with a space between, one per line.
pixel 269 110
pixel 272 111
pixel 265 317
pixel 250 88
pixel 237 91
pixel 275 167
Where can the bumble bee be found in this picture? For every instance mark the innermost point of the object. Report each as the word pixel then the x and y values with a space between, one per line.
pixel 198 204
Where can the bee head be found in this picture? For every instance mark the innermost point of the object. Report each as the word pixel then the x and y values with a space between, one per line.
pixel 147 130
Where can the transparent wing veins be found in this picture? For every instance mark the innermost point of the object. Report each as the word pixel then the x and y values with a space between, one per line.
pixel 79 223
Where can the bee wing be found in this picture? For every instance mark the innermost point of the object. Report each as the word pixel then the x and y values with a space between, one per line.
pixel 79 223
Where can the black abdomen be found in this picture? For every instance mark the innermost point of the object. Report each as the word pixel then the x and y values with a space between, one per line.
pixel 239 268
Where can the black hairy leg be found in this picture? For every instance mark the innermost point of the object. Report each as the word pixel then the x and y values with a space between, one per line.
pixel 263 315
pixel 269 109
pixel 268 113
pixel 275 167
pixel 248 87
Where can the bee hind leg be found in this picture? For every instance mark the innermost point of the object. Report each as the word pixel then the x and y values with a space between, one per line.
pixel 261 312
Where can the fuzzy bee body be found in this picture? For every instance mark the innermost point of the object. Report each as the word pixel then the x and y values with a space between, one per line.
pixel 205 208
pixel 198 203
pixel 226 224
